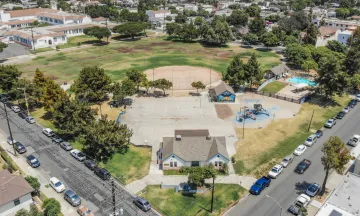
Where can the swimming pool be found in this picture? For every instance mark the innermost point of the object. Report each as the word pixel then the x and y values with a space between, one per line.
pixel 298 80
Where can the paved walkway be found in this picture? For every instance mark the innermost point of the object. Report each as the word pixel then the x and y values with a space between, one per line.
pixel 40 174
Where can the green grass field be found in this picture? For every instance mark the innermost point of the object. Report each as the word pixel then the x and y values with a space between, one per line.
pixel 170 203
pixel 274 87
pixel 118 57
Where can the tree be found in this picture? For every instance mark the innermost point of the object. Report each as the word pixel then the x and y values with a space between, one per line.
pixel 311 35
pixel 355 82
pixel 197 175
pixel 308 65
pixel 180 18
pixel 269 39
pixel 342 13
pixel 336 46
pixel 188 32
pixel 253 73
pixel 352 60
pixel 257 26
pixel 273 18
pixel 51 207
pixel 39 79
pixel 52 93
pixel 251 39
pixel 238 18
pixel 9 76
pixel 235 74
pixel 130 29
pixel 331 80
pixel 336 156
pixel 137 77
pixel 71 117
pixel 162 84
pixel 298 21
pixel 63 5
pixel 2 46
pixel 171 28
pixel 345 4
pixel 168 18
pixel 34 183
pixel 22 212
pixel 297 54
pixel 289 39
pixel 198 85
pixel 126 88
pixel 104 138
pixel 147 85
pixel 253 10
pixel 218 33
pixel 98 32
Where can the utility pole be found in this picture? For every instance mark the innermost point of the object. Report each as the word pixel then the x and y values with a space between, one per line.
pixel 153 74
pixel 8 123
pixel 26 101
pixel 311 120
pixel 244 124
pixel 107 38
pixel 113 196
pixel 212 195
pixel 210 77
pixel 32 37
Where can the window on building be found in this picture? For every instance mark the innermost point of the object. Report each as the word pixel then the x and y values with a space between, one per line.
pixel 63 38
pixel 216 163
pixel 343 37
pixel 175 164
pixel 16 202
pixel 55 39
pixel 171 164
pixel 220 163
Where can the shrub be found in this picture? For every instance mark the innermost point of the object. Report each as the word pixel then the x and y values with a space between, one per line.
pixel 225 169
pixel 78 44
pixel 9 161
pixel 51 207
pixel 57 47
pixel 233 160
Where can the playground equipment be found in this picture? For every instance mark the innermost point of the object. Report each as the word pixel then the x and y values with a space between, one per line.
pixel 247 113
pixel 258 109
pixel 118 120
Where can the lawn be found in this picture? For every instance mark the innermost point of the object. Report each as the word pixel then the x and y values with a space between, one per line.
pixel 82 39
pixel 262 148
pixel 40 116
pixel 274 87
pixel 40 50
pixel 169 203
pixel 118 57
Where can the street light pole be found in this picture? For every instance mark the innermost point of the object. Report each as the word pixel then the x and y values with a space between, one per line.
pixel 281 209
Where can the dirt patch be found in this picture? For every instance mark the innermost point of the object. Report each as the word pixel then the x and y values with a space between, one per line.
pixel 160 44
pixel 223 111
pixel 125 50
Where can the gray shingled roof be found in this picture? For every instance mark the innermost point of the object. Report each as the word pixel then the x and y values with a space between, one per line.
pixel 195 148
pixel 221 88
pixel 278 70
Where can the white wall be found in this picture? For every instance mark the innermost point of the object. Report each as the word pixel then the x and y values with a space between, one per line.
pixel 4 17
pixel 162 15
pixel 86 20
pixel 322 41
pixel 218 158
pixel 10 208
pixel 343 37
pixel 173 158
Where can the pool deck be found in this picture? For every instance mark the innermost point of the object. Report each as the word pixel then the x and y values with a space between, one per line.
pixel 288 92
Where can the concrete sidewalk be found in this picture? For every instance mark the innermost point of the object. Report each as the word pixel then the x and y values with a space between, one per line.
pixel 40 174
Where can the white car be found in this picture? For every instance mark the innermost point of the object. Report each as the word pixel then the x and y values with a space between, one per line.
pixel 11 141
pixel 300 150
pixel 30 119
pixel 358 97
pixel 78 155
pixel 16 109
pixel 275 171
pixel 354 140
pixel 57 185
pixel 48 132
pixel 346 110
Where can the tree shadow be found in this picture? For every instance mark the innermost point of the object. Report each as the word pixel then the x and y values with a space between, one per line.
pixel 212 45
pixel 123 150
pixel 194 94
pixel 126 38
pixel 264 49
pixel 102 43
pixel 301 187
pixel 322 101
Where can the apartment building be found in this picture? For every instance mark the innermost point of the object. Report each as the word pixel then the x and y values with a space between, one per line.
pixel 338 24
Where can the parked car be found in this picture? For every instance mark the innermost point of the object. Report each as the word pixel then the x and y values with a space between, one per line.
pixel 287 160
pixel 302 166
pixel 84 211
pixel 30 119
pixel 330 123
pixel 313 190
pixel 300 150
pixel 16 109
pixel 57 140
pixel 358 97
pixel 353 102
pixel 301 202
pixel 260 185
pixel 142 203
pixel 22 114
pixel 346 110
pixel 311 140
pixel 90 164
pixel 20 148
pixel 78 155
pixel 57 185
pixel 354 140
pixel 66 146
pixel 48 132
pixel 102 173
pixel 72 198
pixel 319 133
pixel 11 141
pixel 32 161
pixel 275 171
pixel 340 115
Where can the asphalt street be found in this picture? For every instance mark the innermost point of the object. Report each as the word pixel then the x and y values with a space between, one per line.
pixel 289 185
pixel 57 162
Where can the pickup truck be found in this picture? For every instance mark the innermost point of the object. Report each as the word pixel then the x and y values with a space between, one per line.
pixel 302 166
pixel 260 185
pixel 301 202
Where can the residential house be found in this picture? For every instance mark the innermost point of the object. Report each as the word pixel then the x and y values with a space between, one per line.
pixel 277 72
pixel 326 34
pixel 208 8
pixel 222 93
pixel 158 13
pixel 338 24
pixel 15 193
pixel 344 200
pixel 191 7
pixel 343 36
pixel 226 12
pixel 193 148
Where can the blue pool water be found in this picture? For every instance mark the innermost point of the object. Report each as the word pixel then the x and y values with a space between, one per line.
pixel 298 80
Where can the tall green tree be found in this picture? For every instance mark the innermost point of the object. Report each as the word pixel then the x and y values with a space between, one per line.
pixel 251 39
pixel 311 35
pixel 289 39
pixel 147 85
pixel 52 93
pixel 257 26
pixel 253 73
pixel 308 65
pixel 269 39
pixel 336 156
pixel 2 46
pixel 39 79
pixel 163 84
pixel 352 60
pixel 130 29
pixel 9 76
pixel 71 117
pixel 336 46
pixel 126 88
pixel 51 207
pixel 253 10
pixel 197 175
pixel 34 183
pixel 346 4
pixel 137 77
pixel 189 32
pixel 238 18
pixel 98 32
pixel 104 138
pixel 218 33
pixel 331 79
pixel 22 212
pixel 235 73
pixel 198 85
pixel 171 28
pixel 342 13
pixel 180 18
pixel 297 54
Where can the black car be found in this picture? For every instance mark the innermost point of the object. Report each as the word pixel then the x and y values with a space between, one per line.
pixel 102 173
pixel 340 115
pixel 57 140
pixel 20 148
pixel 302 166
pixel 90 164
pixel 22 114
pixel 32 161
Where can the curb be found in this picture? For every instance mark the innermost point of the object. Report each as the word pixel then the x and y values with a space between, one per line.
pixel 234 204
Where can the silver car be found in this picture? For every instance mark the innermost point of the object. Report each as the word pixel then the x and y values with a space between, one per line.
pixel 287 160
pixel 311 140
pixel 313 189
pixel 66 146
pixel 30 119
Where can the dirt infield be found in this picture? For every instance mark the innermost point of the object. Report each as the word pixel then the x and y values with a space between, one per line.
pixel 183 76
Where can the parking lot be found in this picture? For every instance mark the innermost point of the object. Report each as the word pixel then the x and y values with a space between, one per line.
pixel 56 162
pixel 13 50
